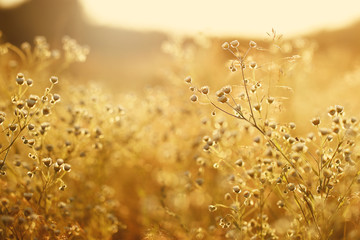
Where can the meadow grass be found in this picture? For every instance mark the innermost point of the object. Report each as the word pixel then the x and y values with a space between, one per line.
pixel 231 163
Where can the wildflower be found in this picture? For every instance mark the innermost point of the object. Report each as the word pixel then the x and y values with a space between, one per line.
pixel 253 65
pixel 223 99
pixel 54 80
pixel 13 127
pixel 225 45
pixel 332 111
pixel 28 195
pixel 324 131
pixel 234 43
pixel 219 93
pixel 280 204
pixel 270 100
pixel 291 187
pixel 339 109
pixel 236 189
pixel 46 111
pixel 29 82
pixel 239 162
pixel 194 98
pixel 187 79
pixel 47 161
pixel 212 208
pixel 67 167
pixel 257 107
pixel 247 194
pixel 56 97
pixel 204 90
pixel 226 89
pixel 252 44
pixel 20 79
pixel 315 121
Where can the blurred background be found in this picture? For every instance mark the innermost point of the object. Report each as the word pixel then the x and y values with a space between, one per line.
pixel 126 37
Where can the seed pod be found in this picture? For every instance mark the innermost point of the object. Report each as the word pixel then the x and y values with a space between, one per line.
pixel 204 90
pixel 225 45
pixel 252 44
pixel 54 80
pixel 236 189
pixel 234 43
pixel 67 167
pixel 28 195
pixel 20 79
pixel 315 121
pixel 212 208
pixel 194 98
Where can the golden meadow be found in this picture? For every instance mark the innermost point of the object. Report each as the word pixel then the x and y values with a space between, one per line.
pixel 245 140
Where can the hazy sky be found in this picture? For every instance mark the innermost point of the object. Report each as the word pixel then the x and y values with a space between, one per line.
pixel 226 16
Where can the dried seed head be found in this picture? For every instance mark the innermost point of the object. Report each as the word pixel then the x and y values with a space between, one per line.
pixel 47 161
pixel 234 43
pixel 54 80
pixel 315 121
pixel 239 162
pixel 223 99
pixel 280 204
pixel 253 65
pixel 67 167
pixel 252 44
pixel 247 194
pixel 332 111
pixel 292 125
pixel 187 79
pixel 219 93
pixel 29 82
pixel 20 79
pixel 257 139
pixel 56 97
pixel 336 120
pixel 298 147
pixel 257 107
pixel 30 103
pixel 13 127
pixel 227 89
pixel 324 131
pixel 59 161
pixel 227 196
pixel 28 195
pixel 20 104
pixel 193 98
pixel 212 208
pixel 204 90
pixel 236 189
pixel 339 109
pixel 56 167
pixel 291 187
pixel 225 45
pixel 46 111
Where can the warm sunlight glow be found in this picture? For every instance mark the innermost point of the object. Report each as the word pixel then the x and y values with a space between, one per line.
pixel 225 17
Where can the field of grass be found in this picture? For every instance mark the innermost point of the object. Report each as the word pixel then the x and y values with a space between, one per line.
pixel 239 139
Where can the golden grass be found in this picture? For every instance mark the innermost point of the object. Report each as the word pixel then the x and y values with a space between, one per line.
pixel 243 155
